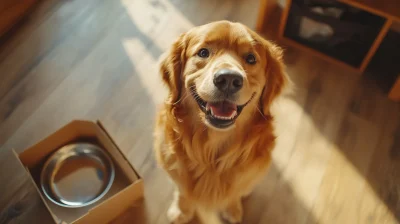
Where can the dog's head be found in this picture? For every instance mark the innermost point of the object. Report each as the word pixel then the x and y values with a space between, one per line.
pixel 224 72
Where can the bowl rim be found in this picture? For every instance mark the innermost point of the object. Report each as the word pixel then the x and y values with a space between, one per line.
pixel 71 146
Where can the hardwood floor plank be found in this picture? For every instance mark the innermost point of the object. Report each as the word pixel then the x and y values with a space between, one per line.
pixel 19 202
pixel 24 98
pixel 316 129
pixel 383 175
pixel 48 35
pixel 346 175
pixel 343 180
pixel 40 13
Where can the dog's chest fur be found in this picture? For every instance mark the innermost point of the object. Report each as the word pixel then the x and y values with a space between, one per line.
pixel 212 169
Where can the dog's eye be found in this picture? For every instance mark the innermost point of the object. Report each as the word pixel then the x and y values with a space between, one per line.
pixel 251 59
pixel 204 53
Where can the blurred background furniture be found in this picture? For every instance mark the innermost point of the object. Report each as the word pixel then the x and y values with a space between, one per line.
pixel 348 33
pixel 395 91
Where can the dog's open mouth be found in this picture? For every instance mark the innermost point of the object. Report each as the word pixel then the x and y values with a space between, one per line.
pixel 221 114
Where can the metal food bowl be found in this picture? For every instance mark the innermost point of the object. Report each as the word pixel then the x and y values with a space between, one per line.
pixel 77 175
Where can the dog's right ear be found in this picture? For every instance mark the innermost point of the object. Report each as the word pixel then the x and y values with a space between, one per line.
pixel 171 68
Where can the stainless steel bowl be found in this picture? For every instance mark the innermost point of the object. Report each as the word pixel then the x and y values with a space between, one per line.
pixel 77 175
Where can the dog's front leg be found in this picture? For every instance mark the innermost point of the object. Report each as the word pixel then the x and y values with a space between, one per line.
pixel 233 213
pixel 181 210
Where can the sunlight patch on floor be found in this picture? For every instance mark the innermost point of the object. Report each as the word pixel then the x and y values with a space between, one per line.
pixel 148 55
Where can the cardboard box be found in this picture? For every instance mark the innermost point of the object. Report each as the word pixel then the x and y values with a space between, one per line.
pixel 127 186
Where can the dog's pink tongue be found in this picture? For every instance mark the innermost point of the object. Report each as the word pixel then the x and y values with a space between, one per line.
pixel 222 109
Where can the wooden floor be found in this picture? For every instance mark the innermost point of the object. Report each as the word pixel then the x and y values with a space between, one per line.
pixel 338 153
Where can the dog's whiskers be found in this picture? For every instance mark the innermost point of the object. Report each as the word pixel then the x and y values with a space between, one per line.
pixel 197 97
pixel 184 96
pixel 254 112
pixel 181 99
pixel 259 110
pixel 205 128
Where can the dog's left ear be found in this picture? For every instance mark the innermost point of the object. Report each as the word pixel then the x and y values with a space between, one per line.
pixel 276 77
pixel 171 68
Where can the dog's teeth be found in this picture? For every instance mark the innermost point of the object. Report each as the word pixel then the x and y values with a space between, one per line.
pixel 233 115
pixel 224 118
pixel 212 113
pixel 207 107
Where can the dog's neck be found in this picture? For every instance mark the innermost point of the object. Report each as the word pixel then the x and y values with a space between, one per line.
pixel 208 146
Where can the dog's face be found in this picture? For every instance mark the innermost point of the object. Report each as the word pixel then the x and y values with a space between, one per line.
pixel 228 70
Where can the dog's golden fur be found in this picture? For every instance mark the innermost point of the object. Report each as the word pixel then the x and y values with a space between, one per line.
pixel 214 168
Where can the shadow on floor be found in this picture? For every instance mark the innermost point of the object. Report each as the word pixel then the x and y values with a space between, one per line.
pixel 356 116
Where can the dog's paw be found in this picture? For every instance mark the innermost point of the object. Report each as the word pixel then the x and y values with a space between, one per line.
pixel 176 216
pixel 247 194
pixel 234 213
pixel 232 218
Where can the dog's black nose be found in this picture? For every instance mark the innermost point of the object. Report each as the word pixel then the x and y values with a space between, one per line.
pixel 228 81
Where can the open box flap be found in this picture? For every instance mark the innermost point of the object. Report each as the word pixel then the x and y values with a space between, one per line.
pixel 32 182
pixel 35 154
pixel 122 153
pixel 117 204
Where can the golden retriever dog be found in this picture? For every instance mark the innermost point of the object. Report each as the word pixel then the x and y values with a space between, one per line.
pixel 214 134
